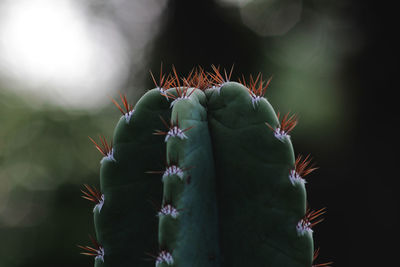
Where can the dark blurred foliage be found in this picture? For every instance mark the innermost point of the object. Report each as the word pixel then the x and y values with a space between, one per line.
pixel 45 155
pixel 372 190
pixel 205 33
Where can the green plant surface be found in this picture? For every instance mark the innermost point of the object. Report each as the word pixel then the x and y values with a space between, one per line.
pixel 260 207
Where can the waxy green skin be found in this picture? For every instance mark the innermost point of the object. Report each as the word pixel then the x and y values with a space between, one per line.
pixel 127 224
pixel 236 204
pixel 192 236
pixel 258 205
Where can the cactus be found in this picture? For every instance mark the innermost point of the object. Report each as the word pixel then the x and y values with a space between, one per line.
pixel 232 192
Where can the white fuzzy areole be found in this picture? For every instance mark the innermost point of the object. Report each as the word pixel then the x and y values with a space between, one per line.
pixel 255 99
pixel 280 134
pixel 303 227
pixel 295 178
pixel 100 254
pixel 173 170
pixel 168 210
pixel 162 92
pixel 128 115
pixel 99 205
pixel 109 157
pixel 217 87
pixel 175 132
pixel 178 99
pixel 164 256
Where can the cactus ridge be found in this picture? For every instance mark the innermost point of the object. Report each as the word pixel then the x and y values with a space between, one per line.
pixel 232 191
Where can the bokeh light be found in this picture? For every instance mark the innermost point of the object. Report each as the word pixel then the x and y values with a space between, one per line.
pixel 52 49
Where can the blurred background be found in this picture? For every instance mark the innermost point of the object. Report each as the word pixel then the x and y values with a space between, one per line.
pixel 61 61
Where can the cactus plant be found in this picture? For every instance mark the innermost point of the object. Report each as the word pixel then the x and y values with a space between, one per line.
pixel 232 192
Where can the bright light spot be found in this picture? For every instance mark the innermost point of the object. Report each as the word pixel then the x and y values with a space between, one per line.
pixel 48 47
pixel 46 39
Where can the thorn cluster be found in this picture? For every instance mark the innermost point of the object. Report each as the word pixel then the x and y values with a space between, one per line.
pixel 256 86
pixel 217 80
pixel 287 124
pixel 105 149
pixel 197 78
pixel 97 251
pixel 302 168
pixel 164 82
pixel 182 92
pixel 306 224
pixel 173 130
pixel 171 169
pixel 127 109
pixel 93 195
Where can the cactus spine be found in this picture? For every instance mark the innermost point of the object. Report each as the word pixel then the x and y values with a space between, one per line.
pixel 232 192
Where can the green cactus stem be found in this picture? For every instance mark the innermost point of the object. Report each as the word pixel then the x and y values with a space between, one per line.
pixel 232 192
pixel 192 235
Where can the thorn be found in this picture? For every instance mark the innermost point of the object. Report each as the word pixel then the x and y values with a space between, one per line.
pixel 92 194
pixel 164 82
pixel 326 264
pixel 104 148
pixel 197 78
